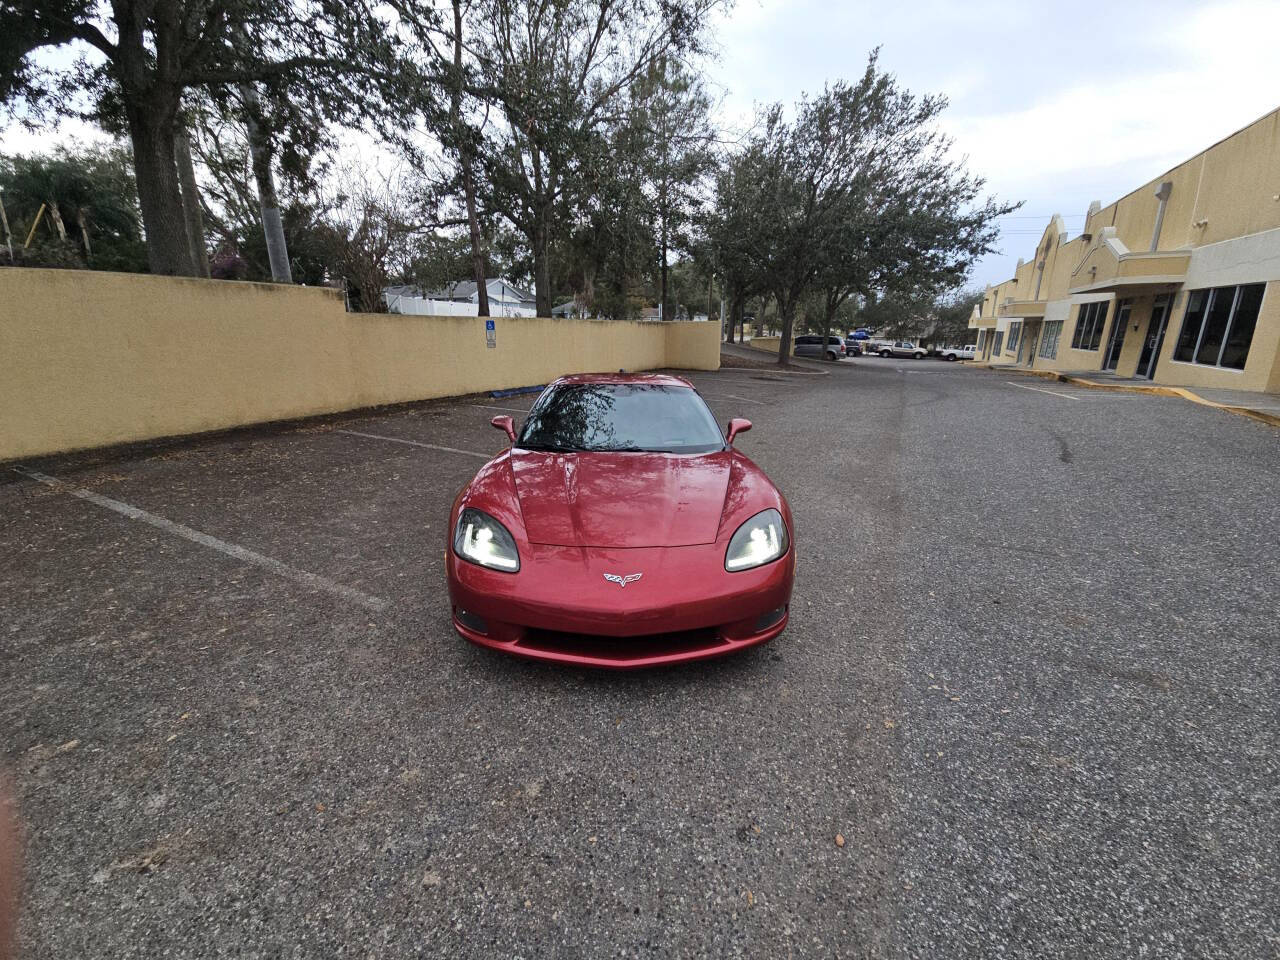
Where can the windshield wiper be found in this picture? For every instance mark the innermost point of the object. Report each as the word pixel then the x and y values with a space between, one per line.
pixel 632 449
pixel 547 448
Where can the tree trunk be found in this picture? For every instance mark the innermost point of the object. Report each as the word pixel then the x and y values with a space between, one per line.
pixel 477 241
pixel 787 313
pixel 542 267
pixel 663 314
pixel 8 237
pixel 159 195
pixel 56 216
pixel 268 203
pixel 468 178
pixel 193 214
pixel 731 319
pixel 84 235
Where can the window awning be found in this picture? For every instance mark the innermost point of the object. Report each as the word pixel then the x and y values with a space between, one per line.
pixel 1111 268
pixel 1022 308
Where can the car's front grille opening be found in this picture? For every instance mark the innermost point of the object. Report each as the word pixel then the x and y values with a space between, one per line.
pixel 769 619
pixel 471 621
pixel 623 649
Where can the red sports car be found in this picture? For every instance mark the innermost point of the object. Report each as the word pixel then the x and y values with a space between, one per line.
pixel 621 529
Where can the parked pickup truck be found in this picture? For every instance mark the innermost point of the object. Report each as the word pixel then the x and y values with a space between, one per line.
pixel 903 348
pixel 957 353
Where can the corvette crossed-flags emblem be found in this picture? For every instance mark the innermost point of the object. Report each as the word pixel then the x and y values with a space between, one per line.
pixel 623 581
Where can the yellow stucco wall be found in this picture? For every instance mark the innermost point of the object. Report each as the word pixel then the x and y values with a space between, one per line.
pixel 1071 359
pixel 767 344
pixel 1232 184
pixel 89 359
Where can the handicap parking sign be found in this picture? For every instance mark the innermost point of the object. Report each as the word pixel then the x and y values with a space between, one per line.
pixel 490 335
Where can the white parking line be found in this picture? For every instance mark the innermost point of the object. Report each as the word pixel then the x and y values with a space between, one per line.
pixel 243 554
pixel 730 396
pixel 416 443
pixel 1052 393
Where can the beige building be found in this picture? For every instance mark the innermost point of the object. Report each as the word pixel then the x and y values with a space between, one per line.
pixel 1177 282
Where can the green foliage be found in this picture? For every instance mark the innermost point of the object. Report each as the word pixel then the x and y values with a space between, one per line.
pixel 553 73
pixel 344 63
pixel 92 194
pixel 858 195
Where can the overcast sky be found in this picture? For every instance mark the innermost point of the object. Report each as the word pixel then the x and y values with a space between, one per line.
pixel 1055 105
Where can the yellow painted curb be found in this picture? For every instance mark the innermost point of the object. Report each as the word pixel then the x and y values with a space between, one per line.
pixel 1181 393
pixel 1154 390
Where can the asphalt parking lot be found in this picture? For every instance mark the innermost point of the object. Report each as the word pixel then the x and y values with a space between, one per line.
pixel 1031 679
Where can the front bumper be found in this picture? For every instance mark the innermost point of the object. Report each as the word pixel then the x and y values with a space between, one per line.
pixel 560 608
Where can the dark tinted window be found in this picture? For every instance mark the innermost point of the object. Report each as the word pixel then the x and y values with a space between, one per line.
pixel 1240 338
pixel 1090 319
pixel 1191 323
pixel 621 416
pixel 1217 328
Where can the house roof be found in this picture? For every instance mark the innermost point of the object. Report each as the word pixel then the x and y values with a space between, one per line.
pixel 466 289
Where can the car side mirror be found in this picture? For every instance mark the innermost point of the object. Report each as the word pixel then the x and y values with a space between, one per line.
pixel 505 423
pixel 736 426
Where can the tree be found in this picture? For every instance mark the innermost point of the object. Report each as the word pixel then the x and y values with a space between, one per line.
pixel 144 55
pixel 728 239
pixel 553 69
pixel 370 233
pixel 674 109
pixel 953 311
pixel 858 195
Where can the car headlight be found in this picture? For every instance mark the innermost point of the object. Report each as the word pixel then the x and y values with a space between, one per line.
pixel 482 540
pixel 760 540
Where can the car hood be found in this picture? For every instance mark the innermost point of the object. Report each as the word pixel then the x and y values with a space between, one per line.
pixel 621 499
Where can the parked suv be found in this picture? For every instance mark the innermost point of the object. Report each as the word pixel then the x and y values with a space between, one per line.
pixel 903 348
pixel 852 347
pixel 811 346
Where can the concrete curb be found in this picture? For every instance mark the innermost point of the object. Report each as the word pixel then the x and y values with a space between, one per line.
pixel 782 373
pixel 1155 390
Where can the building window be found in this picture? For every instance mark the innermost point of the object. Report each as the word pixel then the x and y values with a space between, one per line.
pixel 1015 334
pixel 1089 323
pixel 1049 339
pixel 995 349
pixel 1217 329
pixel 982 338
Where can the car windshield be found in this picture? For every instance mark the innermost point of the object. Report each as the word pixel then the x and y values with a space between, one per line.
pixel 626 417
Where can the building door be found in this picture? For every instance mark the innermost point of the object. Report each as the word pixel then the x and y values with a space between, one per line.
pixel 1116 342
pixel 1030 341
pixel 1154 339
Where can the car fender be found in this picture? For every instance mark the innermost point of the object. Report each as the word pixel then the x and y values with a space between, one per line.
pixel 749 492
pixel 492 490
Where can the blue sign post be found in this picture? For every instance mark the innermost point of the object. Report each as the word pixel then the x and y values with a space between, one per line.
pixel 490 335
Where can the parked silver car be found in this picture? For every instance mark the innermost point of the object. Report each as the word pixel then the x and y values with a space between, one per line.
pixel 811 346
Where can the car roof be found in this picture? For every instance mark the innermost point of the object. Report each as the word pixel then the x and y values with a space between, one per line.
pixel 651 379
